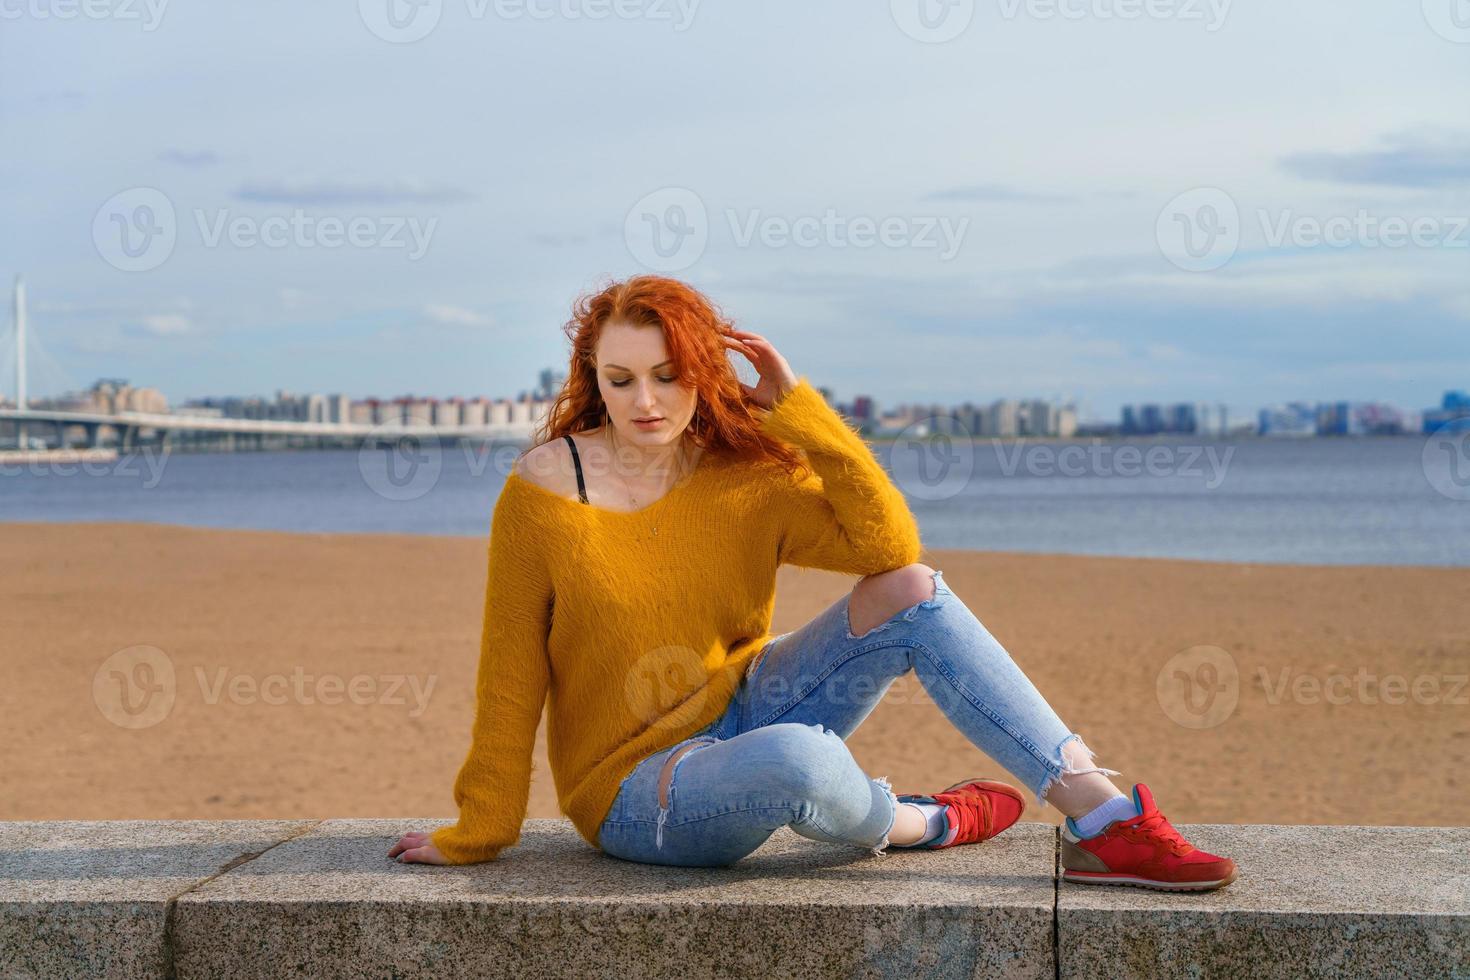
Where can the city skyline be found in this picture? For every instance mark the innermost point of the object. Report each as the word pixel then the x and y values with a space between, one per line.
pixel 1001 416
pixel 19 338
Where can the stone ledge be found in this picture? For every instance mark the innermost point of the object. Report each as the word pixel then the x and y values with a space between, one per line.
pixel 320 898
pixel 1310 901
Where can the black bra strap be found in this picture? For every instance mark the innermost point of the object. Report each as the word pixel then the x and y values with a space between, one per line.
pixel 577 461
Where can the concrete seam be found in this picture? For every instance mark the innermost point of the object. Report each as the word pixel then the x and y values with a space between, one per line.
pixel 1056 904
pixel 170 908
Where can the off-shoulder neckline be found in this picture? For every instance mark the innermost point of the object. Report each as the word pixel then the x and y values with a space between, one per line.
pixel 678 488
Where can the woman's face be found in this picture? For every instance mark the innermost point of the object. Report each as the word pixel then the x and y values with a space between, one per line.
pixel 637 381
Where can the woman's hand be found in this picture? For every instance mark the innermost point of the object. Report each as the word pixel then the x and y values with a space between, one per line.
pixel 776 377
pixel 416 849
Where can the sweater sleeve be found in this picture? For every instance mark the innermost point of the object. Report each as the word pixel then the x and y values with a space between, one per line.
pixel 847 516
pixel 494 784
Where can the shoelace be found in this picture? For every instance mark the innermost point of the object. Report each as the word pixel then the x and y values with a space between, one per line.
pixel 1158 826
pixel 973 825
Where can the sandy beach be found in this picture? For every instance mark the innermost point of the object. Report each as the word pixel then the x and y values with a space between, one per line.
pixel 296 675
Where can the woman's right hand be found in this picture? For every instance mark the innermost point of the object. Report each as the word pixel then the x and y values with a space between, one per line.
pixel 414 848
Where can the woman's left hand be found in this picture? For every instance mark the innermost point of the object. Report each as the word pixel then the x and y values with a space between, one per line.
pixel 776 376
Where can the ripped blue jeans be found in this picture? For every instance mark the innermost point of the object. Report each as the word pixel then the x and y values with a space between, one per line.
pixel 777 757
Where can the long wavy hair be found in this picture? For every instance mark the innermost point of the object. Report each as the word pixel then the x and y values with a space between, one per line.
pixel 725 419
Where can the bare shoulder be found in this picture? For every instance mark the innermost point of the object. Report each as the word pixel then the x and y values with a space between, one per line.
pixel 549 466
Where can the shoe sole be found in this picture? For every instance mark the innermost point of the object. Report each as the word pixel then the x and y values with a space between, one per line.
pixel 1098 878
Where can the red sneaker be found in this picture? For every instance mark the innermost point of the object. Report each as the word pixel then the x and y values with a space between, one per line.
pixel 975 810
pixel 1145 851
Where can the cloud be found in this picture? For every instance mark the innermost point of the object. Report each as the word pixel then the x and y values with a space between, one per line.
pixel 161 325
pixel 997 192
pixel 404 191
pixel 1409 159
pixel 456 316
pixel 194 159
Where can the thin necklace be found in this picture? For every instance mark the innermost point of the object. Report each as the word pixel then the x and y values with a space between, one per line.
pixel 634 500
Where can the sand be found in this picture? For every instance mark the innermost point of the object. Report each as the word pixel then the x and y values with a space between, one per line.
pixel 242 619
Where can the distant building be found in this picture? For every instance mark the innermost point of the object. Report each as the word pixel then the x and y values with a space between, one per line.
pixel 1293 420
pixel 1455 405
pixel 1181 418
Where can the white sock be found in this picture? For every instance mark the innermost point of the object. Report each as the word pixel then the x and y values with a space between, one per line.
pixel 1119 807
pixel 934 819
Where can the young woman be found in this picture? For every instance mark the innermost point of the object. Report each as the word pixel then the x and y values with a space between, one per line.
pixel 632 568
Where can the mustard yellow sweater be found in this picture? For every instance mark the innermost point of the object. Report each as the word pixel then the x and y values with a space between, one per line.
pixel 641 639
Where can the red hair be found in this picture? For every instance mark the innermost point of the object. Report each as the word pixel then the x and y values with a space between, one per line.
pixel 694 329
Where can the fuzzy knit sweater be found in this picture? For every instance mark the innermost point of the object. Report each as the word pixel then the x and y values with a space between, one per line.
pixel 640 639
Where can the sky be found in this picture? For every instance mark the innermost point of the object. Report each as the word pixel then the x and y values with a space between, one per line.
pixel 937 201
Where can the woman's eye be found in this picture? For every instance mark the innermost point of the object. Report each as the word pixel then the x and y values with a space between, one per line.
pixel 624 384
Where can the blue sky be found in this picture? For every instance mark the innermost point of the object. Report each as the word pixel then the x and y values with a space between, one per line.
pixel 1069 153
